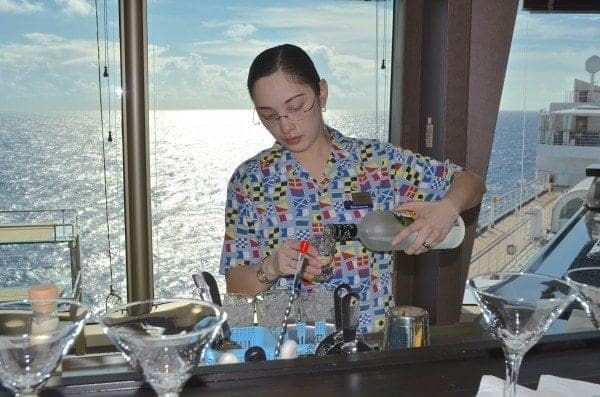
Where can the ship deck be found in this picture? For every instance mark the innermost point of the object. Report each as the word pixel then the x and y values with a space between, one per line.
pixel 507 244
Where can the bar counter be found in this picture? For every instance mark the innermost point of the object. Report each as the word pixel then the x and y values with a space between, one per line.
pixel 452 366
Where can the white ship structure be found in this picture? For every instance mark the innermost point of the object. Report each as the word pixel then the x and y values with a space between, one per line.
pixel 512 227
pixel 569 135
pixel 569 141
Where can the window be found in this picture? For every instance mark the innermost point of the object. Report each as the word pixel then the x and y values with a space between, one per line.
pixel 53 140
pixel 56 136
pixel 546 79
pixel 203 124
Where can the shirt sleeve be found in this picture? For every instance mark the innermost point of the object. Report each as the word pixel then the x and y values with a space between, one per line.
pixel 240 243
pixel 419 177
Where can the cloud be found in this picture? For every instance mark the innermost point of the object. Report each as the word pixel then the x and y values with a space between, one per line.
pixel 190 82
pixel 45 48
pixel 239 31
pixel 246 49
pixel 552 27
pixel 48 71
pixel 355 20
pixel 43 38
pixel 350 74
pixel 19 7
pixel 75 7
pixel 210 72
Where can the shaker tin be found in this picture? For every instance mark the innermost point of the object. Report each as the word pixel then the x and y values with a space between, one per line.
pixel 406 326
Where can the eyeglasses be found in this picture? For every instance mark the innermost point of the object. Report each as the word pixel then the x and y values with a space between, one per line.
pixel 295 114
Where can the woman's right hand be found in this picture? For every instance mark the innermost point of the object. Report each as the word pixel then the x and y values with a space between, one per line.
pixel 285 260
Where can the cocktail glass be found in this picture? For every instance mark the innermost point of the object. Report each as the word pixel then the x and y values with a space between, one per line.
pixel 325 247
pixel 517 309
pixel 164 338
pixel 586 281
pixel 35 335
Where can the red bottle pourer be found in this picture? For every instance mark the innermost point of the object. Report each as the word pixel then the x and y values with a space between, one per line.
pixel 304 245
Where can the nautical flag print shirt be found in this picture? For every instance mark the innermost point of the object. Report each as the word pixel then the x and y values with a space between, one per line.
pixel 271 198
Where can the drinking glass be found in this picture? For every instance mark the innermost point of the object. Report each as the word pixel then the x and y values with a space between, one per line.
pixel 240 309
pixel 35 335
pixel 317 304
pixel 164 338
pixel 325 247
pixel 586 281
pixel 517 309
pixel 271 305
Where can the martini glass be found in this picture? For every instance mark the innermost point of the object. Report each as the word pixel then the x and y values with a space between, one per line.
pixel 164 338
pixel 517 309
pixel 35 335
pixel 586 280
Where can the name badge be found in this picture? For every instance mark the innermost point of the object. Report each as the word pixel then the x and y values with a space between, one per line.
pixel 358 200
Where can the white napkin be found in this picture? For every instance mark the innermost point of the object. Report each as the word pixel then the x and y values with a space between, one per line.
pixel 492 386
pixel 549 386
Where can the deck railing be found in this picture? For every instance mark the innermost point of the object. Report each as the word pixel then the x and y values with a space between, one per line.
pixel 572 138
pixel 507 252
pixel 60 226
pixel 583 96
pixel 34 226
pixel 494 208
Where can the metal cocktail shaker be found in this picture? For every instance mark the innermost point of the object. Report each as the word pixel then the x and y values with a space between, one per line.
pixel 406 326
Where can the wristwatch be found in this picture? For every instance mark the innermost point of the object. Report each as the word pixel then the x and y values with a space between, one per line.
pixel 262 277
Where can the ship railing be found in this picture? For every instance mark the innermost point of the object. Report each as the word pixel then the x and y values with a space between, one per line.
pixel 494 208
pixel 570 138
pixel 583 96
pixel 508 251
pixel 42 226
pixel 36 226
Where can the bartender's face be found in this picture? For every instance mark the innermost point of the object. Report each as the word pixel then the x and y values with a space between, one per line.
pixel 290 111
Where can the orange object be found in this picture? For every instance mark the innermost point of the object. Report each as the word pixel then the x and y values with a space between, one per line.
pixel 304 244
pixel 43 292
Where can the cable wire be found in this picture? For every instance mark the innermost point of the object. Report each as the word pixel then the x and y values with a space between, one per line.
pixel 377 69
pixel 522 180
pixel 111 292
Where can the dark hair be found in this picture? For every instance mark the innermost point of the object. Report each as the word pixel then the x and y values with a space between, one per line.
pixel 291 60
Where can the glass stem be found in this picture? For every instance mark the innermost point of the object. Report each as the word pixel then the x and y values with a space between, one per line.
pixel 169 394
pixel 513 364
pixel 26 393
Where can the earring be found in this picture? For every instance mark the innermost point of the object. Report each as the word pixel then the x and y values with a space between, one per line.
pixel 323 109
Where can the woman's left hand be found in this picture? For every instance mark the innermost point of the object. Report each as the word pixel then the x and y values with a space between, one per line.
pixel 433 221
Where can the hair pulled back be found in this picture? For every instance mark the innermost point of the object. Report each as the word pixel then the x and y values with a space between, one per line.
pixel 289 59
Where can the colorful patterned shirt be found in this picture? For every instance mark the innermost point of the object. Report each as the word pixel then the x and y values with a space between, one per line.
pixel 271 198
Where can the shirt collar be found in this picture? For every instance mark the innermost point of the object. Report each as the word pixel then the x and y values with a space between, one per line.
pixel 341 150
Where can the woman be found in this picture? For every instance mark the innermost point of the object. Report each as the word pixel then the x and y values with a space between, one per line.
pixel 313 175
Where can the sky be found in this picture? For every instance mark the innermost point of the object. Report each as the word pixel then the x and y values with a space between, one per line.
pixel 199 51
pixel 548 52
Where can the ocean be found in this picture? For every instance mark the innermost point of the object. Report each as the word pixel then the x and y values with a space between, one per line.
pixel 54 161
